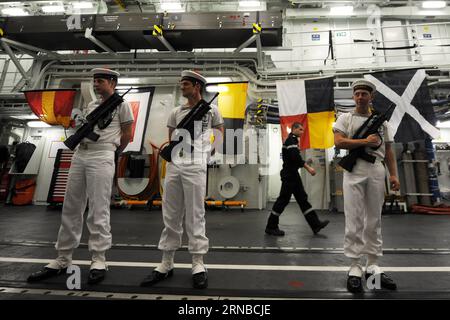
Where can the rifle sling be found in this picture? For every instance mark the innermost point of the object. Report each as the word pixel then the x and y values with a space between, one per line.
pixel 192 115
pixel 189 115
pixel 357 135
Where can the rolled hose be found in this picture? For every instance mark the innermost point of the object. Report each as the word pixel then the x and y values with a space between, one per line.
pixel 153 182
pixel 439 209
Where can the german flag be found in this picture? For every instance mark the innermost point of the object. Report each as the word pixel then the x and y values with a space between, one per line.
pixel 310 102
pixel 52 106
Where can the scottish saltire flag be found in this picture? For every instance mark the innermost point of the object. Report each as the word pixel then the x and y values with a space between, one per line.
pixel 310 102
pixel 52 106
pixel 413 117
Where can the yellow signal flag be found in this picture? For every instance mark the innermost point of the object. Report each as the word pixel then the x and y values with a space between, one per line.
pixel 232 102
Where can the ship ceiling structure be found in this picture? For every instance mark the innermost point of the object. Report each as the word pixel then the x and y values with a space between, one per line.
pixel 215 37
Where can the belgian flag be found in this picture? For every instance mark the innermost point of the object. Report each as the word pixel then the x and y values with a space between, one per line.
pixel 52 106
pixel 310 102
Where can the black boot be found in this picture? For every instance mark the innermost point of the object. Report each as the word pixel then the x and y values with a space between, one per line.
pixel 272 226
pixel 314 222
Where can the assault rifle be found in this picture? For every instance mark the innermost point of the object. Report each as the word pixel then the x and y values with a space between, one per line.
pixel 100 114
pixel 187 123
pixel 370 126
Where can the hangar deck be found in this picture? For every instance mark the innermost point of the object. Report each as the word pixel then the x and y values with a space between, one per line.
pixel 243 262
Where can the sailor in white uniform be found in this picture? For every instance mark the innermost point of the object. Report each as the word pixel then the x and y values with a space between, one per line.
pixel 90 179
pixel 364 189
pixel 185 188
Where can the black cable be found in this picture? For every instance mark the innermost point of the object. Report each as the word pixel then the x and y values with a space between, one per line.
pixel 398 48
pixel 330 48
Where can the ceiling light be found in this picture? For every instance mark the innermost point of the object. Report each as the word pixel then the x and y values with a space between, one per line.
pixel 53 9
pixel 246 5
pixel 38 124
pixel 26 117
pixel 341 10
pixel 219 88
pixel 443 124
pixel 172 6
pixel 125 89
pixel 82 5
pixel 14 12
pixel 433 4
pixel 249 4
pixel 128 80
pixel 218 79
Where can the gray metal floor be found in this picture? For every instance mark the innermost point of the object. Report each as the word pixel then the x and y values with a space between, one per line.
pixel 243 262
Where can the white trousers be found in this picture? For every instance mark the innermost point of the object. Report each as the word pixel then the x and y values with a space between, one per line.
pixel 184 196
pixel 364 190
pixel 90 177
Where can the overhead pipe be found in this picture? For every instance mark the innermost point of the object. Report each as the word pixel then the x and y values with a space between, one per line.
pixel 42 74
pixel 175 69
pixel 242 71
pixel 247 57
pixel 270 74
pixel 224 68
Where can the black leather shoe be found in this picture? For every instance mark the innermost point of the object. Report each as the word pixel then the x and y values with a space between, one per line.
pixel 385 281
pixel 96 276
pixel 275 232
pixel 200 280
pixel 156 277
pixel 354 284
pixel 45 273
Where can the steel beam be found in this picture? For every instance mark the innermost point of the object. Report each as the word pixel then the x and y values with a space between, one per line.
pixel 161 55
pixel 14 59
pixel 166 44
pixel 88 35
pixel 20 45
pixel 259 51
pixel 246 43
pixel 28 52
pixel 4 72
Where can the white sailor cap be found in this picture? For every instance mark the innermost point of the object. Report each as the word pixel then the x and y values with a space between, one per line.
pixel 363 84
pixel 193 76
pixel 105 73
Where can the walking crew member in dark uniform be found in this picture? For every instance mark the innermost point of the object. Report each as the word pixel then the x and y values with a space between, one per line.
pixel 292 184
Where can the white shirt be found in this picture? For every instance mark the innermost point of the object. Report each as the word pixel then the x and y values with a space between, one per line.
pixel 349 123
pixel 212 119
pixel 112 133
